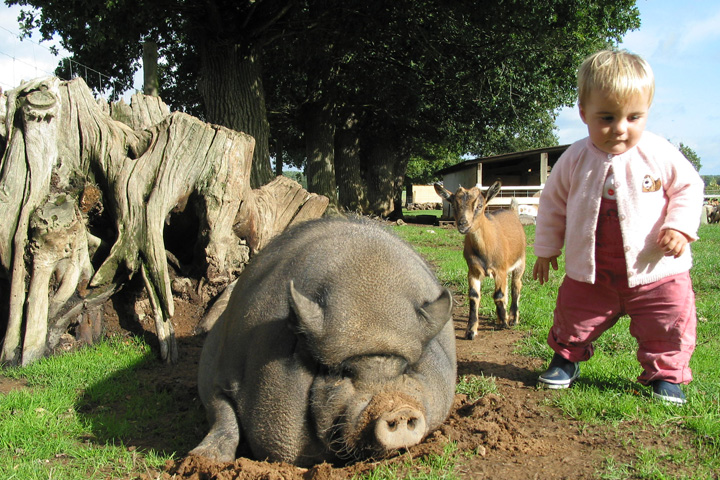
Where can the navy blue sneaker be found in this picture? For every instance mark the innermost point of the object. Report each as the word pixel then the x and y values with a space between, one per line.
pixel 667 392
pixel 560 373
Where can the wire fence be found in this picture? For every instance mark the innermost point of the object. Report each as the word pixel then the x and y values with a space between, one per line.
pixel 96 80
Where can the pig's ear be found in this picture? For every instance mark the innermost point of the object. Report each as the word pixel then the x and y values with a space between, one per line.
pixel 309 315
pixel 437 313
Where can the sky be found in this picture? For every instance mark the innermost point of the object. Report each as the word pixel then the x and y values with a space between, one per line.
pixel 681 40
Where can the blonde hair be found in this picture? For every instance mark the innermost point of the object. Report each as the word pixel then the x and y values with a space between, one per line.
pixel 618 73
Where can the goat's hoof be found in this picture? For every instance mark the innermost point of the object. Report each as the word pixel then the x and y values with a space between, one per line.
pixel 470 335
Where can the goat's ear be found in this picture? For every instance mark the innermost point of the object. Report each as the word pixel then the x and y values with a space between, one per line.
pixel 443 192
pixel 493 190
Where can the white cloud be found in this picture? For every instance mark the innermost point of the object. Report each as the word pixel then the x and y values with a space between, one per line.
pixel 700 32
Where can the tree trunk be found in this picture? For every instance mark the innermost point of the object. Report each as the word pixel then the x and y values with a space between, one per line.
pixel 349 176
pixel 319 128
pixel 278 157
pixel 67 165
pixel 232 90
pixel 380 176
pixel 386 162
pixel 150 68
pixel 400 169
pixel 274 207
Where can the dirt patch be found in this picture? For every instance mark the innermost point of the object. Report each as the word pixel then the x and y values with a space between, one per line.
pixel 513 434
pixel 9 384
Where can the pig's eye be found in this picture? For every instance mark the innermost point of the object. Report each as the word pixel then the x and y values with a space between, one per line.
pixel 343 371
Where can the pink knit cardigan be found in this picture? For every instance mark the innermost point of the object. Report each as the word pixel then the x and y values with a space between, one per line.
pixel 656 188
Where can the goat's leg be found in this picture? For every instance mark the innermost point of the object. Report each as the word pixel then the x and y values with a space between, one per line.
pixel 516 286
pixel 500 298
pixel 474 283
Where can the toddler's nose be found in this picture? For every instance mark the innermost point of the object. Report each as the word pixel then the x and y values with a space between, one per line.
pixel 620 127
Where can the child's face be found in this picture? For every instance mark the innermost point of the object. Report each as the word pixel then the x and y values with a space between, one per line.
pixel 615 127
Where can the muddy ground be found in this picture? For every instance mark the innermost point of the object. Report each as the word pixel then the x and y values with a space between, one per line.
pixel 514 434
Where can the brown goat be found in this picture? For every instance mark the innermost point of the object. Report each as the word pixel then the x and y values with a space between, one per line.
pixel 494 247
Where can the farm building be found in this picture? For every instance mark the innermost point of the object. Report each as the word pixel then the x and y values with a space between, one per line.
pixel 423 194
pixel 523 175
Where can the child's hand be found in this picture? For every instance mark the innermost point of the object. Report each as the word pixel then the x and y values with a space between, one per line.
pixel 541 269
pixel 672 242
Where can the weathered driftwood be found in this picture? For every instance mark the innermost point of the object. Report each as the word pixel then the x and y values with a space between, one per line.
pixel 66 161
pixel 274 207
pixel 271 209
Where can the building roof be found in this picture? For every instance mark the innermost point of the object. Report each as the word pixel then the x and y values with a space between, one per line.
pixel 552 151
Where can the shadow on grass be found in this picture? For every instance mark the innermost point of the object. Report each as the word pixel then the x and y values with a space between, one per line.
pixel 151 406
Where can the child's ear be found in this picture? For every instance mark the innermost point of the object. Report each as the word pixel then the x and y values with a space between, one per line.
pixel 582 113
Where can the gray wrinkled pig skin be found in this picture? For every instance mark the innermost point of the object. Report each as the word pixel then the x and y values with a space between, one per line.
pixel 337 344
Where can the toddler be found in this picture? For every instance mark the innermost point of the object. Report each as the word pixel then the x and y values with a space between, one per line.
pixel 626 204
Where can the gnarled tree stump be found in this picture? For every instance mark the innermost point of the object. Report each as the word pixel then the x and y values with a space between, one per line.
pixel 86 198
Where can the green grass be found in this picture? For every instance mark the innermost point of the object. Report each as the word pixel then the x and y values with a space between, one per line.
pixel 607 392
pixel 84 414
pixel 431 467
pixel 77 412
pixel 476 387
pixel 415 213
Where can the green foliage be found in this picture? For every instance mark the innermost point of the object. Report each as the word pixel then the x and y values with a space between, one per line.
pixel 607 392
pixel 690 155
pixel 423 166
pixel 437 78
pixel 711 185
pixel 297 176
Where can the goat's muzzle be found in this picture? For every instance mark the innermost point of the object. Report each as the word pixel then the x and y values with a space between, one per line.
pixel 463 227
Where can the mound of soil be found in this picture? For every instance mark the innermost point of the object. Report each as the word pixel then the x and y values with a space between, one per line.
pixel 512 434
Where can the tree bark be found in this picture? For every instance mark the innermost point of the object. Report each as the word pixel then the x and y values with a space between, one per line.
pixel 349 176
pixel 232 90
pixel 275 207
pixel 60 138
pixel 380 176
pixel 278 157
pixel 386 165
pixel 150 68
pixel 319 129
pixel 66 163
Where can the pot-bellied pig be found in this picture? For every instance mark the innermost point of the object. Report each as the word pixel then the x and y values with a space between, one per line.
pixel 336 344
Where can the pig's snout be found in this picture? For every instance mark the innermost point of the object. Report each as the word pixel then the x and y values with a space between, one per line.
pixel 402 427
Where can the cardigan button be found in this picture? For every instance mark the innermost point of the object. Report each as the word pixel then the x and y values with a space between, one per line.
pixel 627 249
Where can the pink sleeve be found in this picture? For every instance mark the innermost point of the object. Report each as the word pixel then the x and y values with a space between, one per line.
pixel 685 194
pixel 551 218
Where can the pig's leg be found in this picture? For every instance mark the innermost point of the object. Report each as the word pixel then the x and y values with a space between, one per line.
pixel 221 442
